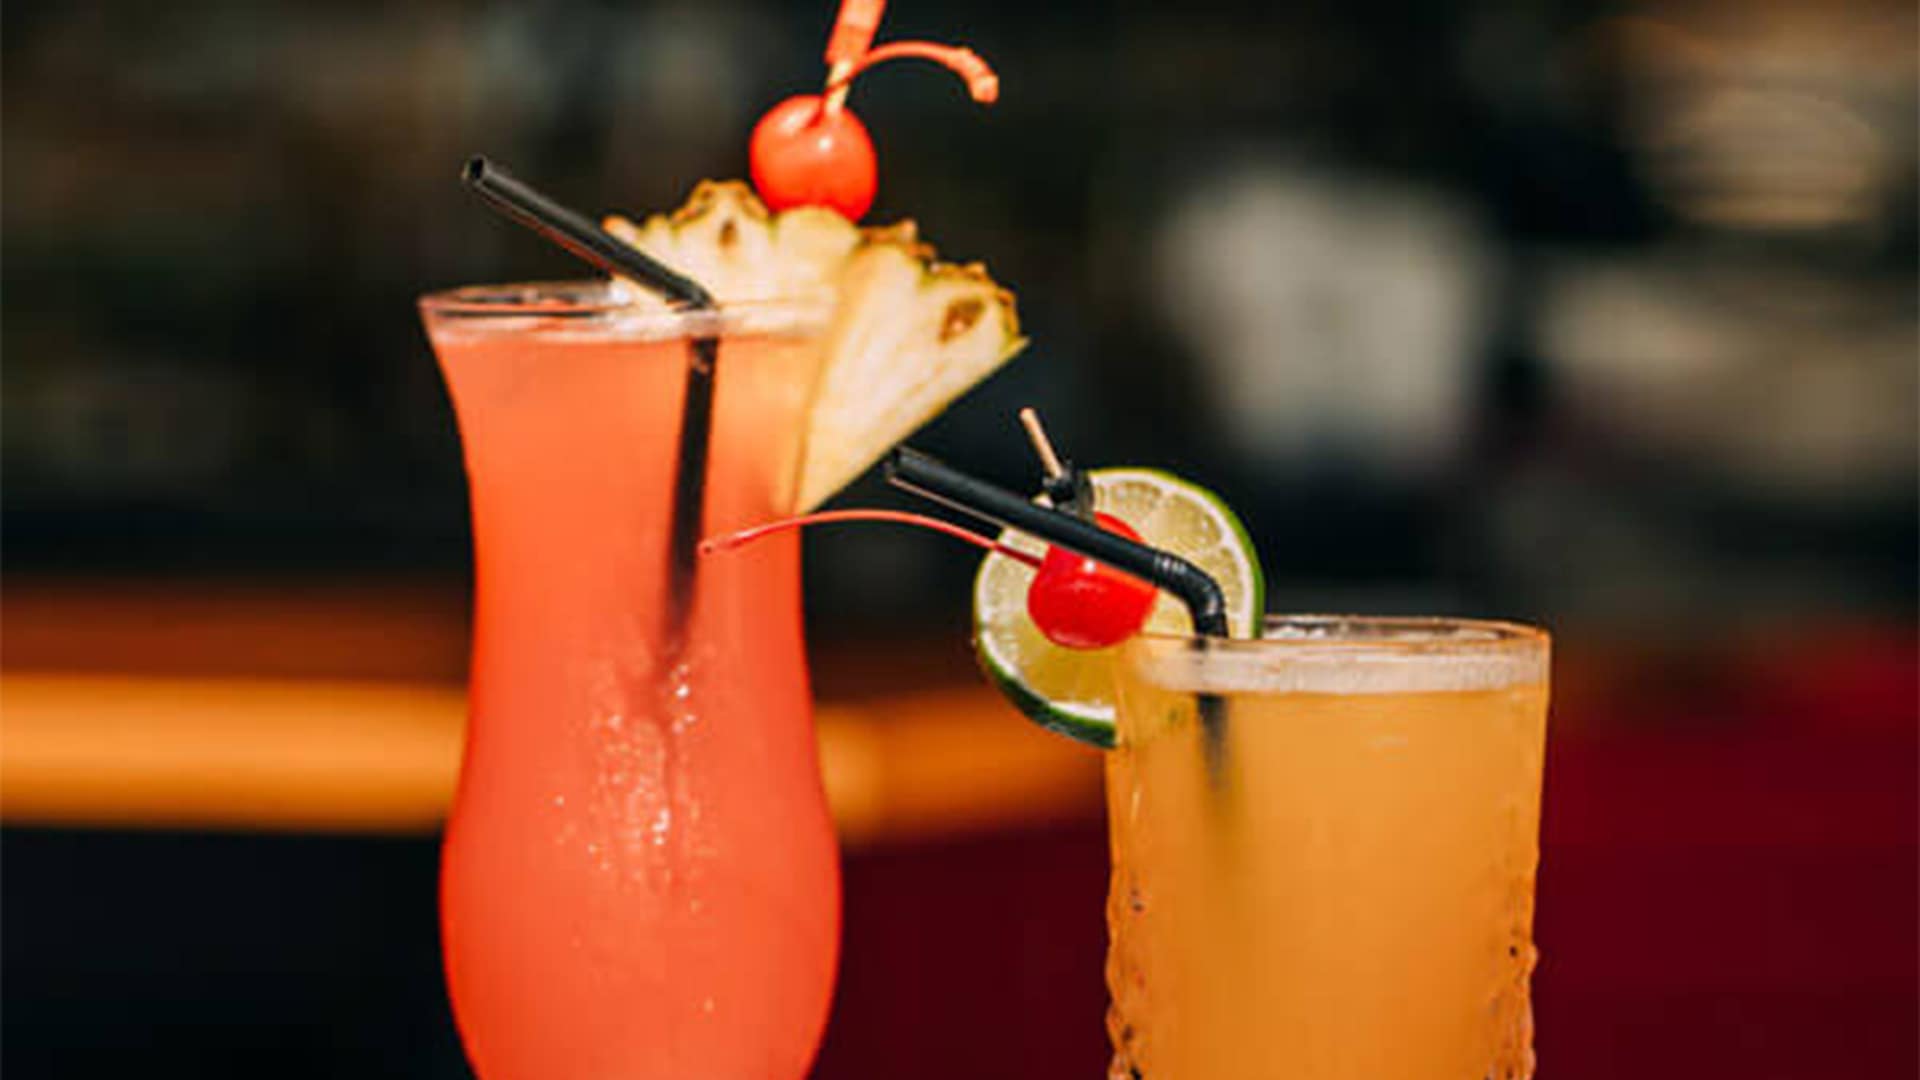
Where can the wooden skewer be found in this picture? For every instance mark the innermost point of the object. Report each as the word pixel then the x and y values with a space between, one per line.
pixel 1042 445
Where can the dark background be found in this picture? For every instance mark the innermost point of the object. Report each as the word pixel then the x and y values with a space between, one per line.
pixel 1596 314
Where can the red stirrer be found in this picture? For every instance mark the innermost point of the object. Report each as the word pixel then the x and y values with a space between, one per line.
pixel 732 540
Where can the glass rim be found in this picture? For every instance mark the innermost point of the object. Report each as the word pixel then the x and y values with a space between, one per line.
pixel 1398 632
pixel 573 302
pixel 1350 654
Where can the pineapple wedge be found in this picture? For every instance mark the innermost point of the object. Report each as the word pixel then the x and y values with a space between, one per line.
pixel 908 335
pixel 726 239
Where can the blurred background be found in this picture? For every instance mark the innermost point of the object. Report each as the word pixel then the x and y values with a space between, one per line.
pixel 1601 315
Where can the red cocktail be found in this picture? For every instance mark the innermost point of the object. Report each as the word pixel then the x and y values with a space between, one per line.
pixel 640 875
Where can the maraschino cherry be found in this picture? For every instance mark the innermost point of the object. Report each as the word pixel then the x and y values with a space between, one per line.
pixel 810 150
pixel 1075 601
pixel 1082 603
pixel 804 154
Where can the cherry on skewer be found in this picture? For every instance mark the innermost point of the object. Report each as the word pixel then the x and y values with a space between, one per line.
pixel 811 150
pixel 1075 601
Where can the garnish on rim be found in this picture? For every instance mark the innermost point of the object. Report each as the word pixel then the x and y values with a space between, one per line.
pixel 908 333
pixel 1066 685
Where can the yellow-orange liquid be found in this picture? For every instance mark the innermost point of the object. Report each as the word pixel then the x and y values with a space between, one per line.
pixel 1349 897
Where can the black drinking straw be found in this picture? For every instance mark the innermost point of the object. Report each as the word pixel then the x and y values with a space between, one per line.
pixel 578 234
pixel 1194 587
pixel 1206 603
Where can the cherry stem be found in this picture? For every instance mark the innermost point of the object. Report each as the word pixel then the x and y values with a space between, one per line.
pixel 839 81
pixel 733 540
pixel 981 82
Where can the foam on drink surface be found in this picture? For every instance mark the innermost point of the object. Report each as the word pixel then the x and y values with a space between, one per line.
pixel 1331 655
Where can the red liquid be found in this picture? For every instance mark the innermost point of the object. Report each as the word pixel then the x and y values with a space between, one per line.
pixel 639 876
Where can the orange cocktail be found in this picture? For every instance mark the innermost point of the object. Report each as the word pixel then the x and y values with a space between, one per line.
pixel 1327 873
pixel 639 876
